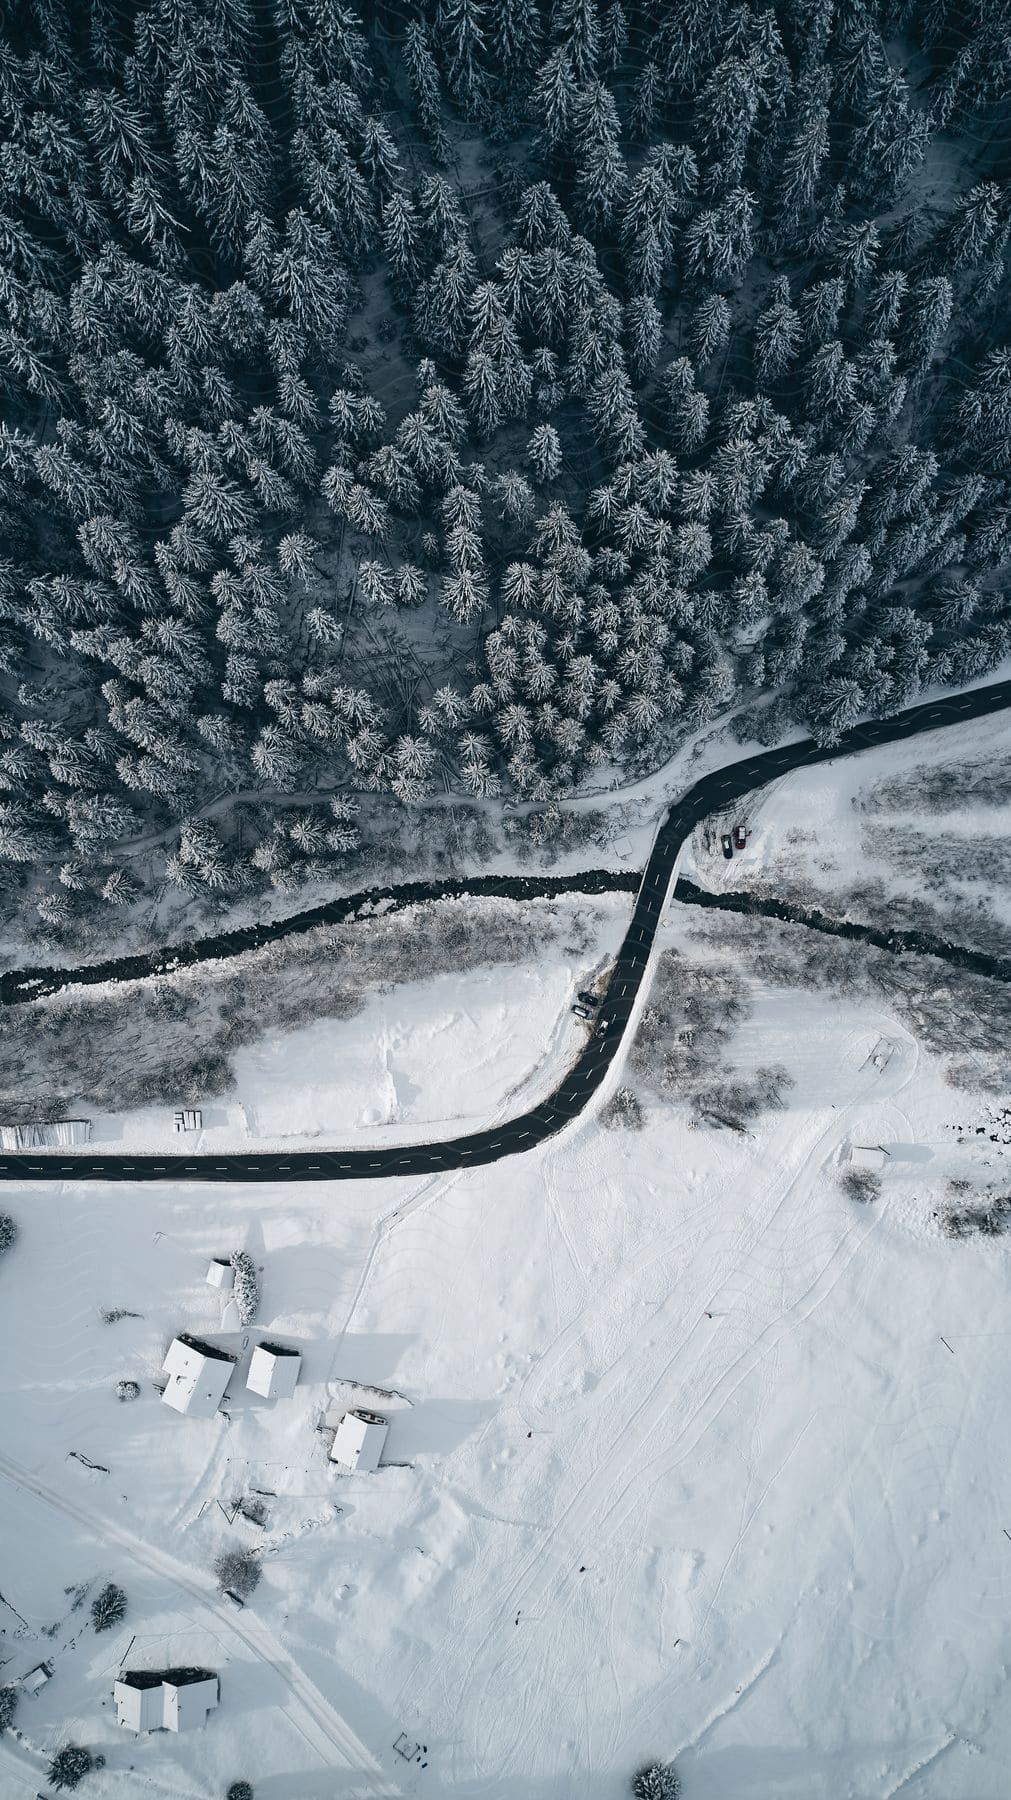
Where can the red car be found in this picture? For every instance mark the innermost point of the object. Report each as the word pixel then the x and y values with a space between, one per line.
pixel 740 836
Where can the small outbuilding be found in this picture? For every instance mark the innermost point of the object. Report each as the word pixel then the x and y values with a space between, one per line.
pixel 55 1134
pixel 273 1371
pixel 359 1440
pixel 198 1376
pixel 867 1156
pixel 220 1274
pixel 165 1700
pixel 36 1678
pixel 188 1118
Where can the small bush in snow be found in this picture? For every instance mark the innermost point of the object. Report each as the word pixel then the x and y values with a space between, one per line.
pixel 238 1572
pixel 8 1233
pixel 240 1790
pixel 108 1607
pixel 861 1184
pixel 977 1221
pixel 246 1292
pixel 623 1111
pixel 9 1698
pixel 657 1781
pixel 69 1766
pixel 128 1390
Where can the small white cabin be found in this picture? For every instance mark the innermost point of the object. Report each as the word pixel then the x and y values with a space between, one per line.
pixel 273 1371
pixel 867 1156
pixel 198 1376
pixel 359 1441
pixel 220 1274
pixel 176 1700
pixel 36 1678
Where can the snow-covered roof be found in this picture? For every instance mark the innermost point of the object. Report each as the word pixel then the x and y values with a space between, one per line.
pixel 198 1376
pixel 167 1700
pixel 867 1156
pixel 220 1274
pixel 359 1440
pixel 187 1703
pixel 273 1371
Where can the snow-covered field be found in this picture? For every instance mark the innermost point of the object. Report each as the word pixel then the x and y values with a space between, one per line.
pixel 419 1061
pixel 769 1542
pixel 822 831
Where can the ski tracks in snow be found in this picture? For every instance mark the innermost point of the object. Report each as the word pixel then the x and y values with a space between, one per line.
pixel 318 1722
pixel 766 1278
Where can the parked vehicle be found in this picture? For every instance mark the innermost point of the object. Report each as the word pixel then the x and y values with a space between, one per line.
pixel 588 998
pixel 727 845
pixel 740 836
pixel 581 1011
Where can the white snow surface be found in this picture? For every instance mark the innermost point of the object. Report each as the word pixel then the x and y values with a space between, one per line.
pixel 806 825
pixel 770 1542
pixel 419 1061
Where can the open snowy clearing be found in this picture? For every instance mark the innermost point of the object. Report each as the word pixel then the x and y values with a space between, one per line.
pixel 419 1060
pixel 770 1541
pixel 825 829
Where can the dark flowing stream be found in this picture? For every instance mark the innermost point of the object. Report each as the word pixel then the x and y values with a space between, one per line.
pixel 716 792
pixel 917 943
pixel 19 985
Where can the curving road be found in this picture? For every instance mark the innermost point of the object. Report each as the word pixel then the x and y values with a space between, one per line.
pixel 713 793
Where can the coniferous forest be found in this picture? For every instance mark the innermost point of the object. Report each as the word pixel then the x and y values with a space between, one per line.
pixel 474 397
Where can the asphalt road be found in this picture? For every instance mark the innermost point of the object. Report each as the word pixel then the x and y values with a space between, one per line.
pixel 713 793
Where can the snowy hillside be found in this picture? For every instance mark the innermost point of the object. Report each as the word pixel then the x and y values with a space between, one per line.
pixel 909 833
pixel 768 1541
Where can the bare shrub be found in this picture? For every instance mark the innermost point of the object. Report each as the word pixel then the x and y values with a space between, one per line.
pixel 953 1013
pixel 170 1039
pixel 238 1572
pixel 623 1112
pixel 8 1233
pixel 861 1184
pixel 108 1607
pixel 9 1697
pixel 978 1221
pixel 240 1790
pixel 681 1047
pixel 127 1390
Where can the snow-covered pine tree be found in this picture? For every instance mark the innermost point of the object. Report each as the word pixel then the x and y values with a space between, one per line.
pixel 575 25
pixel 460 33
pixel 553 102
pixel 709 332
pixel 545 453
pixel 246 1287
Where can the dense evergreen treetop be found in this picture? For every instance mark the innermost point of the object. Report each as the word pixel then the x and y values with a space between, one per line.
pixel 464 398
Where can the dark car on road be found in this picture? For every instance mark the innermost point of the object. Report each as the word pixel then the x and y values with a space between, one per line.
pixel 727 845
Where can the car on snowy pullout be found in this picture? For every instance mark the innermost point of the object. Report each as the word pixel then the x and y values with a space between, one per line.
pixel 727 845
pixel 588 998
pixel 582 1011
pixel 740 836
